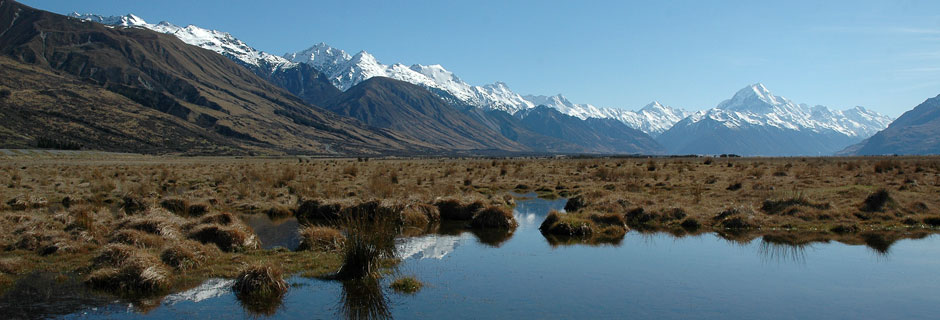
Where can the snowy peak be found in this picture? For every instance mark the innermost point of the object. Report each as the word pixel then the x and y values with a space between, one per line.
pixel 345 71
pixel 218 41
pixel 319 55
pixel 756 98
pixel 128 20
pixel 756 106
pixel 653 119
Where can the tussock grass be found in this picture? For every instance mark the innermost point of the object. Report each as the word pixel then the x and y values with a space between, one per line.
pixel 227 238
pixel 39 192
pixel 129 270
pixel 318 238
pixel 260 289
pixel 453 209
pixel 877 201
pixel 584 225
pixel 369 239
pixel 494 217
pixel 790 206
pixel 409 285
pixel 186 255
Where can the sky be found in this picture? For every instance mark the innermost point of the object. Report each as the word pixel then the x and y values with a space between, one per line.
pixel 883 55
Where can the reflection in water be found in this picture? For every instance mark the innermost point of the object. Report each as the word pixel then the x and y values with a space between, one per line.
pixel 878 242
pixel 594 241
pixel 44 295
pixel 364 299
pixel 274 233
pixel 430 246
pixel 492 237
pixel 772 249
pixel 212 288
pixel 262 307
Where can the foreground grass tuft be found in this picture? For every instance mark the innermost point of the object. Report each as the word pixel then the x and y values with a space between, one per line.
pixel 409 285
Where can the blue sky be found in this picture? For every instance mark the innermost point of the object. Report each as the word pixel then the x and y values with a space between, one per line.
pixel 884 55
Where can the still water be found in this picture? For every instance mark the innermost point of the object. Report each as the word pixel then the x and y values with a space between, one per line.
pixel 645 276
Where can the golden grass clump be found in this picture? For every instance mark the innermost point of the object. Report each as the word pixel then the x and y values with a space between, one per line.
pixel 186 254
pixel 260 288
pixel 494 217
pixel 453 209
pixel 136 238
pixel 227 238
pixel 318 238
pixel 128 270
pixel 583 225
pixel 409 285
pixel 420 215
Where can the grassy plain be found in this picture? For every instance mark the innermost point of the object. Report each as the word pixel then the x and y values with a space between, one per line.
pixel 161 223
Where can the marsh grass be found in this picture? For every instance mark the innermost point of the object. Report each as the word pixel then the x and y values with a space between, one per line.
pixel 320 238
pixel 407 285
pixel 39 193
pixel 370 238
pixel 494 217
pixel 260 289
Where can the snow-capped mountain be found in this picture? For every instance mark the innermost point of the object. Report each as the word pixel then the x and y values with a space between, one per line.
pixel 756 122
pixel 653 119
pixel 346 71
pixel 218 41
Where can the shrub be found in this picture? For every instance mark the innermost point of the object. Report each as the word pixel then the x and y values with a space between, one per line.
pixel 494 217
pixel 320 239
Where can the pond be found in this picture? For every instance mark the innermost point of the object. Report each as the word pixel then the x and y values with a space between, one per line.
pixel 646 275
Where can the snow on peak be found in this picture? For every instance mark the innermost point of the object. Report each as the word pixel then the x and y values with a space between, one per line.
pixel 218 41
pixel 128 20
pixel 652 119
pixel 755 105
pixel 345 71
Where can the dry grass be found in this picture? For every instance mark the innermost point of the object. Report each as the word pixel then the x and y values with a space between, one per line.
pixel 494 217
pixel 58 212
pixel 260 288
pixel 409 285
pixel 320 238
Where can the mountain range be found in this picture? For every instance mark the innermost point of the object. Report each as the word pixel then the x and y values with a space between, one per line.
pixel 914 132
pixel 756 122
pixel 324 100
pixel 130 89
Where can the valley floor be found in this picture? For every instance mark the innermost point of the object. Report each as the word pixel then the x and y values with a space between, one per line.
pixel 62 212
